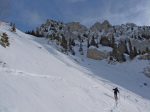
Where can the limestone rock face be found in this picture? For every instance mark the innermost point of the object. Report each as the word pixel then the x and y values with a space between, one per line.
pixel 76 27
pixel 106 25
pixel 96 27
pixel 101 26
pixel 101 33
pixel 96 54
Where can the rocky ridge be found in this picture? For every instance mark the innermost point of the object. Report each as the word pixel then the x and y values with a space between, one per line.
pixel 125 40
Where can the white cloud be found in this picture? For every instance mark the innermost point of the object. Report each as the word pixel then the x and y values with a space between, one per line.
pixel 32 17
pixel 138 13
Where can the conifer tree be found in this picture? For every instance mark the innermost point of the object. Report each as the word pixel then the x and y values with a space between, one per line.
pixel 73 42
pixel 88 43
pixel 135 51
pixel 131 52
pixel 33 32
pixel 4 41
pixel 13 28
pixel 112 42
pixel 139 52
pixel 126 48
pixel 37 33
pixel 147 50
pixel 64 43
pixel 70 44
pixel 93 43
pixel 130 46
pixel 81 48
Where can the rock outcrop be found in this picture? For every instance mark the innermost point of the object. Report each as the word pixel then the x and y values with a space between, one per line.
pixel 98 27
pixel 101 34
pixel 76 27
pixel 97 54
pixel 106 25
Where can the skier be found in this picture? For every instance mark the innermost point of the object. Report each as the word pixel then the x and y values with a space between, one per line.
pixel 115 93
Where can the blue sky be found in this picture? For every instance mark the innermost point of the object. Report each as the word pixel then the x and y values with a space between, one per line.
pixel 27 14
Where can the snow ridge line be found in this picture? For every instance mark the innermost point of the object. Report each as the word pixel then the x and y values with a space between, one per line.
pixel 22 73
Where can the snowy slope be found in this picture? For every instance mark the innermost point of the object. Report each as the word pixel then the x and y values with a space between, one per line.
pixel 35 77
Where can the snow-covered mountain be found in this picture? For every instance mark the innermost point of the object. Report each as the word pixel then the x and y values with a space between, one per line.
pixel 36 77
pixel 126 40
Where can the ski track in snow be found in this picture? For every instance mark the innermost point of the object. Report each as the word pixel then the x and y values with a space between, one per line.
pixel 25 74
pixel 116 108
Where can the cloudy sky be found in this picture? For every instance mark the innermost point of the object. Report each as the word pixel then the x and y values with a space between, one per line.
pixel 27 14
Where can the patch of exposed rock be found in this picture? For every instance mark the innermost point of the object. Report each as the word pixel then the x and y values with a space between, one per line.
pixel 101 26
pixel 98 54
pixel 76 27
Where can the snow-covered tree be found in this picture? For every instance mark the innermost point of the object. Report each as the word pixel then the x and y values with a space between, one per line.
pixel 64 44
pixel 93 43
pixel 4 41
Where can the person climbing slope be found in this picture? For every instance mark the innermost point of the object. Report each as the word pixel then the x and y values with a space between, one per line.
pixel 116 91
